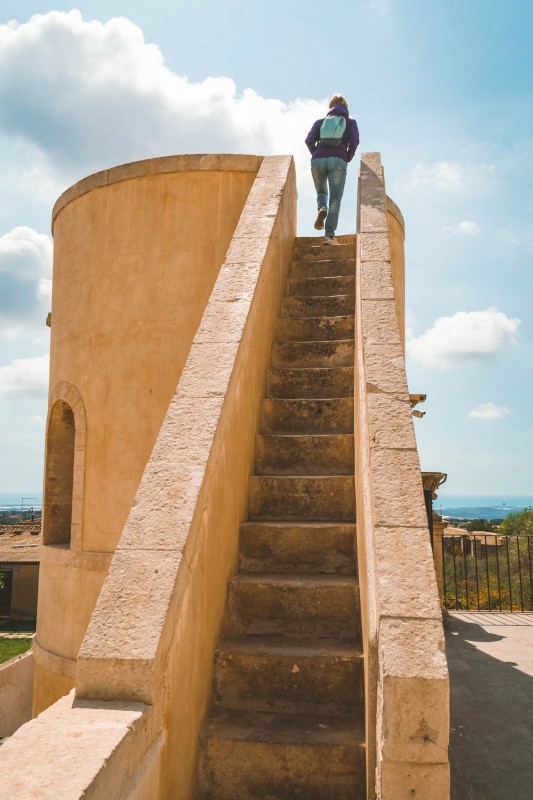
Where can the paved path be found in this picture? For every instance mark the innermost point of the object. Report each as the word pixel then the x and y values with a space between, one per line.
pixel 490 657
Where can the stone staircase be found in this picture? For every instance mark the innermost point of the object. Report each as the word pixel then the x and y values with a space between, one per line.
pixel 288 714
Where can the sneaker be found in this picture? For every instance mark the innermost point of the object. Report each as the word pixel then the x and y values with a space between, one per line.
pixel 330 240
pixel 319 222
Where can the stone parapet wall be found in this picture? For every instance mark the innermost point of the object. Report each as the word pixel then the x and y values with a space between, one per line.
pixel 406 672
pixel 16 689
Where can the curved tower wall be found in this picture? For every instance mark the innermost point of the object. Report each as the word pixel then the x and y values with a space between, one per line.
pixel 137 250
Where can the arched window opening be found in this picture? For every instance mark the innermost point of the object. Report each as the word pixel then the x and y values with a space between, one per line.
pixel 57 506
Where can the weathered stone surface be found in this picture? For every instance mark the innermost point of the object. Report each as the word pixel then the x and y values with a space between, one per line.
pixel 390 421
pixel 252 755
pixel 297 676
pixel 69 749
pixel 385 368
pixel 314 328
pixel 415 691
pixel 380 323
pixel 376 281
pixel 336 353
pixel 321 252
pixel 302 497
pixel 321 269
pixel 407 585
pixel 302 454
pixel 426 781
pixel 326 306
pixel 320 286
pixel 375 247
pixel 397 488
pixel 310 382
pixel 312 416
pixel 293 605
pixel 311 547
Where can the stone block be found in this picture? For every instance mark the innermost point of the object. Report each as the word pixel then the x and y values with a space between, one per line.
pixel 397 488
pixel 403 781
pixel 116 659
pixel 380 322
pixel 376 281
pixel 405 573
pixel 385 368
pixel 208 369
pixel 414 687
pixel 375 247
pixel 390 421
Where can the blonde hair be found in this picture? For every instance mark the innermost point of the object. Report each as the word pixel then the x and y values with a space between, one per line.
pixel 336 99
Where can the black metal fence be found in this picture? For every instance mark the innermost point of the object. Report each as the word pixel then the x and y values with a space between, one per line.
pixel 487 572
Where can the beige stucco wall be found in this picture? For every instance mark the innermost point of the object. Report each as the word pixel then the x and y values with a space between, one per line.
pixel 137 250
pixel 16 689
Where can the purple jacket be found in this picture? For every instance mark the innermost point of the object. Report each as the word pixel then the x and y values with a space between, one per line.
pixel 350 140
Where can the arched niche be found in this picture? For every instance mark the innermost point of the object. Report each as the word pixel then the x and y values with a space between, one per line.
pixel 64 468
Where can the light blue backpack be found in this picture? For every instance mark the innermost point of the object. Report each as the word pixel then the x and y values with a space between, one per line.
pixel 332 131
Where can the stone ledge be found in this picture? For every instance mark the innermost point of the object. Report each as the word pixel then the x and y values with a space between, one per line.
pixel 78 749
pixel 157 166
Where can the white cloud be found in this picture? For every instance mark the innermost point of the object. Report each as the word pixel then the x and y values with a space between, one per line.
pixel 25 275
pixel 441 175
pixel 469 228
pixel 466 228
pixel 489 411
pixel 96 94
pixel 25 376
pixel 463 338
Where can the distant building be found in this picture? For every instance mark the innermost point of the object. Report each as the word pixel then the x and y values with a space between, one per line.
pixel 19 568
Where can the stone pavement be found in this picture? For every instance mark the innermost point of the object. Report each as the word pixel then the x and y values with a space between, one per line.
pixel 490 657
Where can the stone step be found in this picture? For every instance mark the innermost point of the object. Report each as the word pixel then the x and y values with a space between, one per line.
pixel 319 252
pixel 260 756
pixel 305 329
pixel 313 287
pixel 269 604
pixel 279 415
pixel 327 268
pixel 336 353
pixel 284 497
pixel 289 676
pixel 303 454
pixel 339 305
pixel 345 238
pixel 310 382
pixel 299 548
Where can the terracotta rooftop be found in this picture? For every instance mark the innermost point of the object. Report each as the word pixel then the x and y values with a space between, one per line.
pixel 19 544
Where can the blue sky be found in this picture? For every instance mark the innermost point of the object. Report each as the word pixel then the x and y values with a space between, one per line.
pixel 443 88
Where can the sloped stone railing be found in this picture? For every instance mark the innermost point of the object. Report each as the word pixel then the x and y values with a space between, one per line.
pixel 407 690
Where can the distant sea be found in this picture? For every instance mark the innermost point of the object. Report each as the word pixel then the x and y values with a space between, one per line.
pixel 31 498
pixel 478 506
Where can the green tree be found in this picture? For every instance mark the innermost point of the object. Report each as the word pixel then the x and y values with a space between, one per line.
pixel 1 580
pixel 480 525
pixel 518 524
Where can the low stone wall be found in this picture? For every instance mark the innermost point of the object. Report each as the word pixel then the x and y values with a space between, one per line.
pixel 144 673
pixel 84 749
pixel 406 676
pixel 16 690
